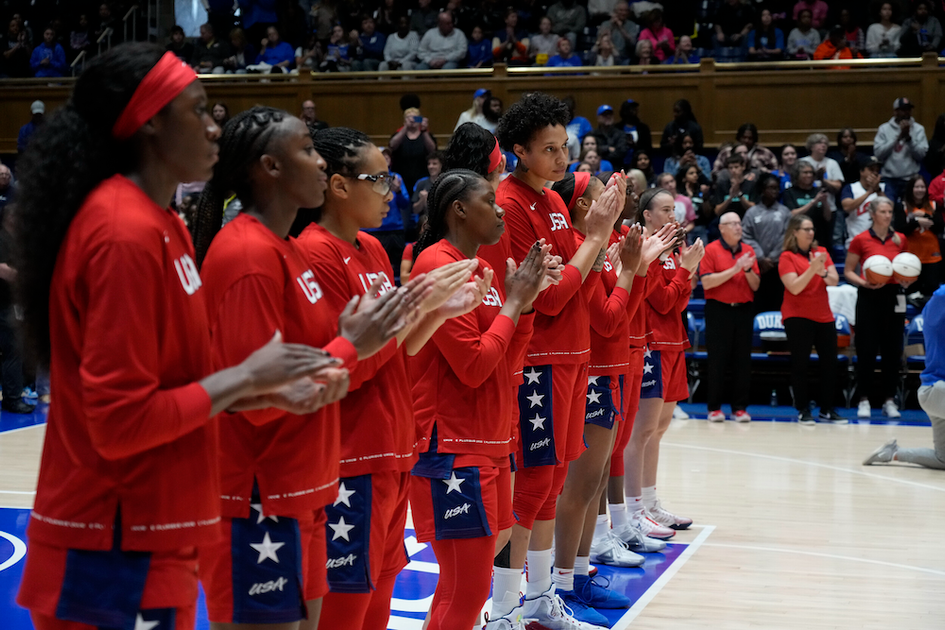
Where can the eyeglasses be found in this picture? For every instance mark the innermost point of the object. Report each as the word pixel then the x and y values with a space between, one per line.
pixel 381 184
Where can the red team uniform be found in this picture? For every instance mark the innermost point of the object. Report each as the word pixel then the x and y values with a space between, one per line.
pixel 365 524
pixel 553 391
pixel 278 470
pixel 461 495
pixel 128 460
pixel 667 294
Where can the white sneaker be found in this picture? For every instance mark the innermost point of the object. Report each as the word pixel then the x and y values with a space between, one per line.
pixel 863 409
pixel 715 416
pixel 883 454
pixel 637 541
pixel 890 410
pixel 511 621
pixel 667 518
pixel 679 413
pixel 548 612
pixel 612 551
pixel 641 520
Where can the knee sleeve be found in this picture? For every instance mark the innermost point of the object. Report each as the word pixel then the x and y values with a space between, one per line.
pixel 532 487
pixel 547 510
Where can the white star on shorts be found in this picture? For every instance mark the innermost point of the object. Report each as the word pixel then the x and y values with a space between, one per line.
pixel 593 397
pixel 267 549
pixel 453 483
pixel 535 399
pixel 592 380
pixel 258 508
pixel 647 353
pixel 532 375
pixel 538 423
pixel 647 368
pixel 343 495
pixel 341 529
pixel 141 624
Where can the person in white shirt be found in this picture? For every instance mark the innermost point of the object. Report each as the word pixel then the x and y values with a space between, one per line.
pixel 827 172
pixel 474 114
pixel 543 43
pixel 856 198
pixel 882 38
pixel 443 47
pixel 400 51
pixel 901 144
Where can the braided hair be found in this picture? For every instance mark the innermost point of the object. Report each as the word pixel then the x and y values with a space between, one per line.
pixel 449 187
pixel 245 138
pixel 67 158
pixel 341 148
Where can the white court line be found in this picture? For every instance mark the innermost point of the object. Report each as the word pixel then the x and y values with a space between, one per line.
pixel 653 591
pixel 830 556
pixel 791 460
pixel 25 492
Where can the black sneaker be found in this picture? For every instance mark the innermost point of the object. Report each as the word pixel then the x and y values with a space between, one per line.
pixel 17 405
pixel 831 416
pixel 804 417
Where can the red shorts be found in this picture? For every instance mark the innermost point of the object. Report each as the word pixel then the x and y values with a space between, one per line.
pixel 258 572
pixel 665 376
pixel 631 403
pixel 80 587
pixel 474 502
pixel 551 414
pixel 365 531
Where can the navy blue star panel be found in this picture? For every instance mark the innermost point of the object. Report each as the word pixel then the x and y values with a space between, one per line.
pixel 652 375
pixel 601 408
pixel 267 569
pixel 348 530
pixel 536 417
pixel 104 588
pixel 458 511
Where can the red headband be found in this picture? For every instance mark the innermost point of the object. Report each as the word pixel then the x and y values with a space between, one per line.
pixel 495 158
pixel 161 85
pixel 581 180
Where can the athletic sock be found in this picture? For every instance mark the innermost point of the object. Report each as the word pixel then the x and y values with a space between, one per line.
pixel 602 527
pixel 634 505
pixel 563 579
pixel 618 515
pixel 506 588
pixel 537 572
pixel 582 565
pixel 649 497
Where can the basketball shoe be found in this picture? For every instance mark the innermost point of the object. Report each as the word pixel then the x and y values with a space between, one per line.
pixel 637 541
pixel 612 551
pixel 649 527
pixel 716 416
pixel 597 595
pixel 511 621
pixel 667 518
pixel 548 611
pixel 883 454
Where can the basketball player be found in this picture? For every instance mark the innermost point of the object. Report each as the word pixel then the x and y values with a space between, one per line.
pixel 664 370
pixel 365 524
pixel 113 304
pixel 460 492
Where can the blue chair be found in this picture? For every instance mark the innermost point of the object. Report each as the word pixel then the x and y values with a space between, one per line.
pixel 696 328
pixel 843 330
pixel 768 328
pixel 914 334
pixel 697 308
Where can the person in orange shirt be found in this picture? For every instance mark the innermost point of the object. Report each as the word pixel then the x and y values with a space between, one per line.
pixel 836 46
pixel 918 217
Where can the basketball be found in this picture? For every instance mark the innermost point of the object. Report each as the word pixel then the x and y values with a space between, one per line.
pixel 906 267
pixel 877 269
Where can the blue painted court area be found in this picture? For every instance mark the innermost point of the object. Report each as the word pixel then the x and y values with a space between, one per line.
pixel 412 595
pixel 12 421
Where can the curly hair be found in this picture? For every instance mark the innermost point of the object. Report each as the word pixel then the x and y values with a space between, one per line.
pixel 449 187
pixel 245 138
pixel 469 148
pixel 531 113
pixel 342 149
pixel 67 158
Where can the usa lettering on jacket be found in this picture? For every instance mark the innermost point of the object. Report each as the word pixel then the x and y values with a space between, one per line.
pixel 367 279
pixel 309 287
pixel 187 272
pixel 492 298
pixel 558 222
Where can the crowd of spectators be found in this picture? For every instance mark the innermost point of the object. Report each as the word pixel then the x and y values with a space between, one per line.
pixel 43 38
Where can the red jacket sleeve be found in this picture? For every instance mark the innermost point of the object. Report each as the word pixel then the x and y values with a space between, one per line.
pixel 128 411
pixel 607 311
pixel 665 298
pixel 333 281
pixel 473 355
pixel 523 334
pixel 637 293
